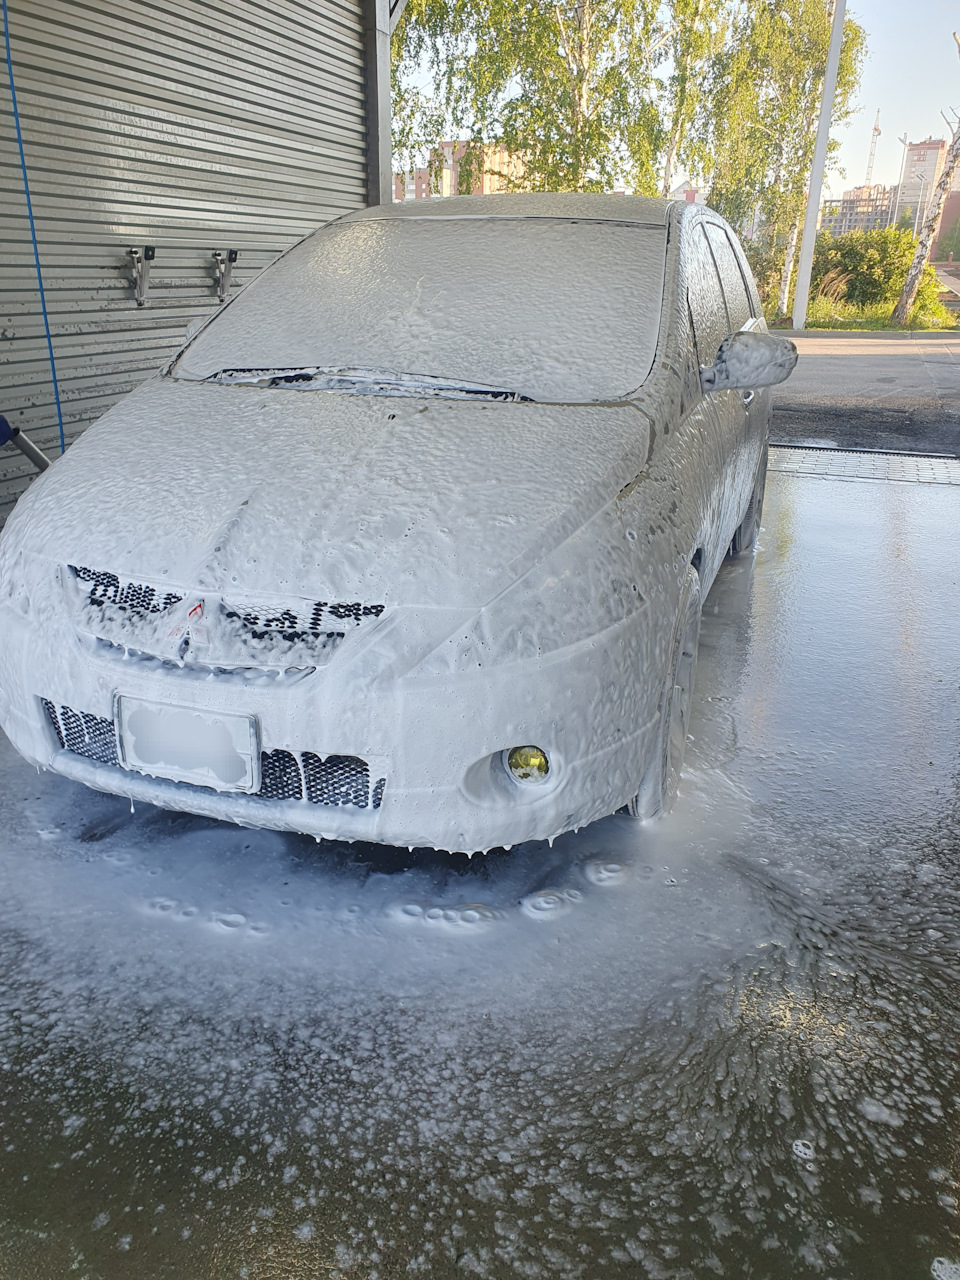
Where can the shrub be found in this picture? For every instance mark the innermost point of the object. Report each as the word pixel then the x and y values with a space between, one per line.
pixel 824 314
pixel 865 270
pixel 874 262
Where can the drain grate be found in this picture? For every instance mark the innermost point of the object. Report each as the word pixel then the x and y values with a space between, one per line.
pixel 844 464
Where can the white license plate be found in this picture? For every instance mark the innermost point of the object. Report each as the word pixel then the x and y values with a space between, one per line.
pixel 205 748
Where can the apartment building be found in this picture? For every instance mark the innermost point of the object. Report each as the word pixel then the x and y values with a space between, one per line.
pixel 482 170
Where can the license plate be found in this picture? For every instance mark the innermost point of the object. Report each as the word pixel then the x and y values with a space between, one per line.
pixel 206 748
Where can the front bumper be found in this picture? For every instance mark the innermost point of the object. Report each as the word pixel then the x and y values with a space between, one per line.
pixel 436 740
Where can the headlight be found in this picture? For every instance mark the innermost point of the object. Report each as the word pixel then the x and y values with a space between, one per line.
pixel 527 764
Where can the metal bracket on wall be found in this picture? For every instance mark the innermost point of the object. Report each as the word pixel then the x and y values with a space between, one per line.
pixel 141 260
pixel 224 270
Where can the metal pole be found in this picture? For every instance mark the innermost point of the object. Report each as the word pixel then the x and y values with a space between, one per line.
pixel 916 221
pixel 802 295
pixel 892 222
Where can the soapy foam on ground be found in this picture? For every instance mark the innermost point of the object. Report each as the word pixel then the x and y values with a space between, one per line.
pixel 656 1051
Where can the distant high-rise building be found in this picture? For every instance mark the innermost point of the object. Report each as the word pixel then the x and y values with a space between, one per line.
pixel 412 186
pixel 923 165
pixel 860 209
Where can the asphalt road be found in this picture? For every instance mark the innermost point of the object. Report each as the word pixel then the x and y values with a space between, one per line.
pixel 721 1045
pixel 898 391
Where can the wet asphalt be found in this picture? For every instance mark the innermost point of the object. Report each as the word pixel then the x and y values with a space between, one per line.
pixel 872 390
pixel 725 1044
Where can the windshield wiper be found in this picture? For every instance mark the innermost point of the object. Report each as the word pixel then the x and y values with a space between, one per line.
pixel 365 382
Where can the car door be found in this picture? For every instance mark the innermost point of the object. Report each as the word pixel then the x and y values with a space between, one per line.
pixel 709 327
pixel 759 404
pixel 744 426
pixel 724 412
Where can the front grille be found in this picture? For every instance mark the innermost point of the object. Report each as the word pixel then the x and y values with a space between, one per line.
pixel 84 734
pixel 280 776
pixel 131 597
pixel 297 625
pixel 336 780
pixel 188 626
pixel 333 780
pixel 330 780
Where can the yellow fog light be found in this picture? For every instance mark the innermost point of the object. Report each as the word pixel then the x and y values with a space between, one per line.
pixel 528 764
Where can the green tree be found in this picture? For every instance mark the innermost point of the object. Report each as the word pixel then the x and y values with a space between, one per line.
pixel 696 33
pixel 566 85
pixel 598 93
pixel 760 113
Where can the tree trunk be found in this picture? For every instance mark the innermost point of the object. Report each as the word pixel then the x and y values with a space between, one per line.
pixel 901 312
pixel 670 159
pixel 679 122
pixel 783 300
pixel 578 54
pixel 928 233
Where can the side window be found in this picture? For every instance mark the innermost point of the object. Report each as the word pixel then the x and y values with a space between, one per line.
pixel 756 306
pixel 734 288
pixel 707 309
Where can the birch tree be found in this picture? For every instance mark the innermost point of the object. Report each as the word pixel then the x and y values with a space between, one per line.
pixel 594 94
pixel 695 37
pixel 928 232
pixel 760 116
pixel 566 84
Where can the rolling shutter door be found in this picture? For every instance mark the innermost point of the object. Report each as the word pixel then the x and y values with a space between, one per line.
pixel 194 126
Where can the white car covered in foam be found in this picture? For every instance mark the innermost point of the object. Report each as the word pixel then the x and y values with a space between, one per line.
pixel 409 542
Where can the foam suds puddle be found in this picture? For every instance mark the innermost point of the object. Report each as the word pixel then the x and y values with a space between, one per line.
pixel 725 1045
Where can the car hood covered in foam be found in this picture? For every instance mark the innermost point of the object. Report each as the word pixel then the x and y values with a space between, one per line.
pixel 314 493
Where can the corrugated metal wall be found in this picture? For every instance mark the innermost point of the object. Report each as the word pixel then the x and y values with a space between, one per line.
pixel 191 125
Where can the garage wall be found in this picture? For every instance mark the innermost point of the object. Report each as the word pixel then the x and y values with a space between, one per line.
pixel 191 125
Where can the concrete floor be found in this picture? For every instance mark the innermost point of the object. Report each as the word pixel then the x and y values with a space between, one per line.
pixel 722 1045
pixel 880 390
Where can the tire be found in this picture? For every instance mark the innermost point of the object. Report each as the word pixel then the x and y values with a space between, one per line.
pixel 746 535
pixel 658 789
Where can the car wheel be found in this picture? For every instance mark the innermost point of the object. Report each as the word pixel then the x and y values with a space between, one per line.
pixel 658 788
pixel 746 535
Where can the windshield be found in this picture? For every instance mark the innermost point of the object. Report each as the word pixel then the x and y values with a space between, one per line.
pixel 528 308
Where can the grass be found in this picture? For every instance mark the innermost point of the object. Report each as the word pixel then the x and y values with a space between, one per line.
pixel 822 313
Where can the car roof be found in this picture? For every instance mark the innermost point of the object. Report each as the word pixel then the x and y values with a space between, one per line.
pixel 642 210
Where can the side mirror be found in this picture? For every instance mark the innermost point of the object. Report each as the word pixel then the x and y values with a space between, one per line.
pixel 749 359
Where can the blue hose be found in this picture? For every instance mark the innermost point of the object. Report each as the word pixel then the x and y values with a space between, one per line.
pixel 33 229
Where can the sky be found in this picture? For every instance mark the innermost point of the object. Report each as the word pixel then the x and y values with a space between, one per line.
pixel 912 73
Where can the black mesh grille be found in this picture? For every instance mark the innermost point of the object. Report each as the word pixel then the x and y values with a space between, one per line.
pixel 318 624
pixel 336 780
pixel 280 776
pixel 54 719
pixel 378 787
pixel 324 622
pixel 84 734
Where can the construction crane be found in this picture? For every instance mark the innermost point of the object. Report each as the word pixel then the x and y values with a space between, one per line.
pixel 873 149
